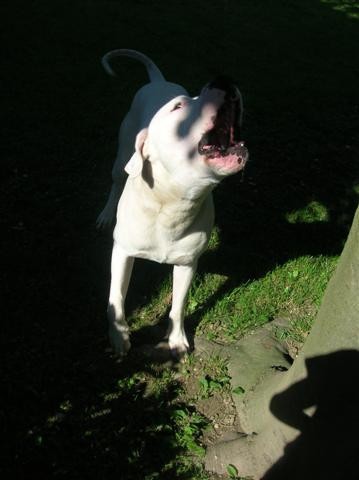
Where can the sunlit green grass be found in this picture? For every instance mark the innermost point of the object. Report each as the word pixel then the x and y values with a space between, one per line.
pixel 350 8
pixel 291 291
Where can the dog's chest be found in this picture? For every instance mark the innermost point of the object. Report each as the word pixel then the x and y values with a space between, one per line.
pixel 174 232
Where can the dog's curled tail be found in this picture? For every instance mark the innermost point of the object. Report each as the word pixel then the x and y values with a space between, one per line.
pixel 153 71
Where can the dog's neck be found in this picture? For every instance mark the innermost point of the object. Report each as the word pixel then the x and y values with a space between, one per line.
pixel 174 205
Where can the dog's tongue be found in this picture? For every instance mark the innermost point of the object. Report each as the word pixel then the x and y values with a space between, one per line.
pixel 230 161
pixel 236 151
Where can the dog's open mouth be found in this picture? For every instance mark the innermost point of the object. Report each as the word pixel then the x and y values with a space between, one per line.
pixel 222 145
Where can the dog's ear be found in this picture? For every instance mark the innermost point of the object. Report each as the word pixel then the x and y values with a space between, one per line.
pixel 135 164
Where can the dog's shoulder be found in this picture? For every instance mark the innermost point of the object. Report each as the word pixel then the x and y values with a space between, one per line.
pixel 153 96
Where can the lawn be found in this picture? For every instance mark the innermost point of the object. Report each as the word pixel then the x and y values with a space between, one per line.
pixel 69 409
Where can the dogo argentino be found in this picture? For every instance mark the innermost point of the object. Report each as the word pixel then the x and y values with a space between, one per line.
pixel 175 150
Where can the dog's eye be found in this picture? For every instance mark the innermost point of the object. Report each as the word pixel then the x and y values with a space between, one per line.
pixel 177 106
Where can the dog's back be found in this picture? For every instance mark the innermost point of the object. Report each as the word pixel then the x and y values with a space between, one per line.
pixel 147 101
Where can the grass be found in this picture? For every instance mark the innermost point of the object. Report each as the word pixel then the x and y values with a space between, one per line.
pixel 293 290
pixel 215 377
pixel 69 410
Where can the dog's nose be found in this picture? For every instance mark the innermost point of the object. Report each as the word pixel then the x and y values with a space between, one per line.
pixel 210 100
pixel 225 83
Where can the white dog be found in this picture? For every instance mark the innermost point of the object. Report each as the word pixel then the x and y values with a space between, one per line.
pixel 175 150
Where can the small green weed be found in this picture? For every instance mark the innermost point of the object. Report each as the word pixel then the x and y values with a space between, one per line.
pixel 238 390
pixel 214 376
pixel 161 382
pixel 209 385
pixel 189 426
pixel 232 471
pixel 127 384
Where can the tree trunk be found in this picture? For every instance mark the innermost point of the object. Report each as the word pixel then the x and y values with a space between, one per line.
pixel 303 423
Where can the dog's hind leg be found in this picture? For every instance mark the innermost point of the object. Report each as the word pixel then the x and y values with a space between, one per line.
pixel 119 177
pixel 126 142
pixel 108 214
pixel 182 279
pixel 121 269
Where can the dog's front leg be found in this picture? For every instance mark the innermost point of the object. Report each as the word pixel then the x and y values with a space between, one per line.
pixel 182 278
pixel 121 269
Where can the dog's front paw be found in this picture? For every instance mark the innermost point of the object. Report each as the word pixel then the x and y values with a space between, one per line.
pixel 119 338
pixel 179 345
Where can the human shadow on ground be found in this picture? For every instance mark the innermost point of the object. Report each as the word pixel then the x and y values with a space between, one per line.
pixel 327 446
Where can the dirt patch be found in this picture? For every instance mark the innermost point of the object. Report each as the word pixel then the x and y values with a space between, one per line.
pixel 206 386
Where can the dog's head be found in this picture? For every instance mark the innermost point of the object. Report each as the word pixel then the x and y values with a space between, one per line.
pixel 197 138
pixel 221 146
